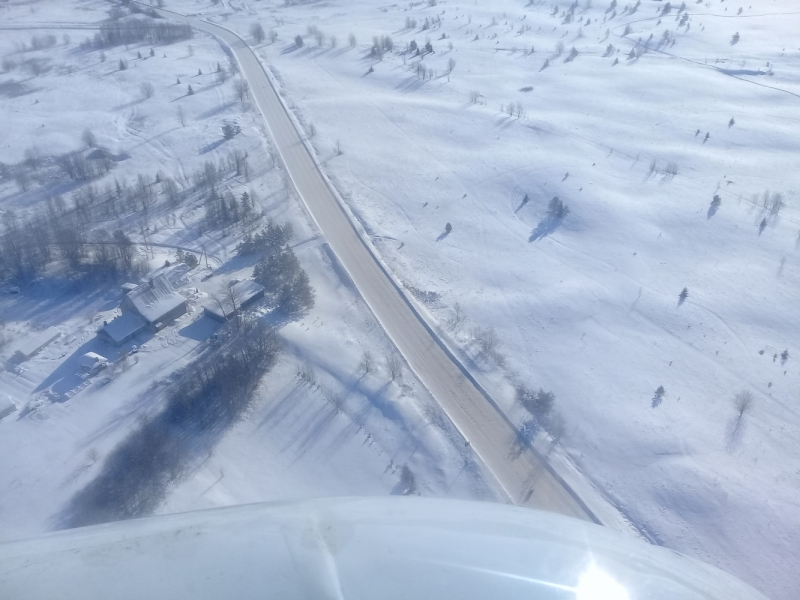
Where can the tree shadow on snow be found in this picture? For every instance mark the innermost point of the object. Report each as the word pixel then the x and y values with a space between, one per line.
pixel 200 329
pixel 734 431
pixel 545 227
pixel 212 146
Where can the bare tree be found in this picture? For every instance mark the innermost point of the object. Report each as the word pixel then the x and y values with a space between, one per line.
pixel 273 36
pixel 742 403
pixel 486 339
pixel 147 89
pixel 352 40
pixel 88 138
pixel 257 31
pixel 394 365
pixel 458 317
pixel 170 189
pixel 366 362
pixel 33 158
pixel 181 116
pixel 242 89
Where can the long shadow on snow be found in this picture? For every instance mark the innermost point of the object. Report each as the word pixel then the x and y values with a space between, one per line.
pixel 545 227
pixel 210 396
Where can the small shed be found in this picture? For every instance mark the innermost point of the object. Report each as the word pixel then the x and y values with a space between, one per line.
pixel 7 406
pixel 92 362
pixel 129 287
pixel 35 342
pixel 242 293
pixel 121 329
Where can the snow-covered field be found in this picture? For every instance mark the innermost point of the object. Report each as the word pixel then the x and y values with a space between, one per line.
pixel 636 145
pixel 335 431
pixel 636 132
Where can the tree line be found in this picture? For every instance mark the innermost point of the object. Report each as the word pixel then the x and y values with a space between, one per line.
pixel 210 395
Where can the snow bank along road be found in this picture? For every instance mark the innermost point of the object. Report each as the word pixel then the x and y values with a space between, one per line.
pixel 523 474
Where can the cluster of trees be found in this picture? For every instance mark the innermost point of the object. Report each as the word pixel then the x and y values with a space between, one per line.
pixel 541 406
pixel 210 395
pixel 206 178
pixel 187 258
pixel 285 282
pixel 135 30
pixel 29 245
pixel 556 209
pixel 229 130
pixel 227 209
pixel 268 240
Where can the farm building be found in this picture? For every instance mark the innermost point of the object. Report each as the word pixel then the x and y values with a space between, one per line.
pixel 121 329
pixel 156 302
pixel 92 362
pixel 33 343
pixel 241 295
pixel 129 287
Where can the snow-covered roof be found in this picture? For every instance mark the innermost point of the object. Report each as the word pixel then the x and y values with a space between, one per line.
pixel 246 290
pixel 124 326
pixel 36 341
pixel 90 359
pixel 243 292
pixel 156 298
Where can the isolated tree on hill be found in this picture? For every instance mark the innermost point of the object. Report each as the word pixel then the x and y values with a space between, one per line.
pixel 683 295
pixel 557 209
pixel 230 130
pixel 88 138
pixel 138 55
pixel 199 71
pixel 716 202
pixel 352 40
pixel 152 52
pixel 122 65
pixel 298 41
pixel 658 397
pixel 257 31
pixel 448 228
pixel 273 36
pixel 147 89
pixel 190 91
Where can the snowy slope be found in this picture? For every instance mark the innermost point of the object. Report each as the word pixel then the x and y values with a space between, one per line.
pixel 588 306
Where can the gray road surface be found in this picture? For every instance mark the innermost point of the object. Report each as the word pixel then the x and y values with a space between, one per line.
pixel 522 473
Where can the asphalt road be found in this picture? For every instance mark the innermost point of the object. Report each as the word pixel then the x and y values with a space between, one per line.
pixel 522 473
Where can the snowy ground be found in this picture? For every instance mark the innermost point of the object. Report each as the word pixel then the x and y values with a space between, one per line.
pixel 345 433
pixel 637 146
